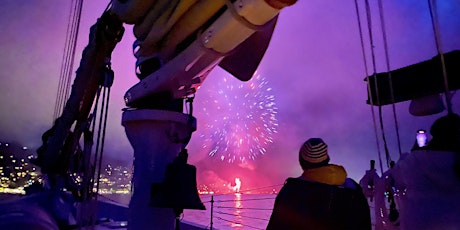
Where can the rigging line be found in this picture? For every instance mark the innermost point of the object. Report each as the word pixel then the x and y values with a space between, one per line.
pixel 109 5
pixel 238 223
pixel 58 95
pixel 371 40
pixel 68 56
pixel 98 138
pixel 74 45
pixel 58 102
pixel 379 154
pixel 437 37
pixel 104 115
pixel 103 136
pixel 67 75
pixel 93 169
pixel 72 48
pixel 387 60
pixel 232 214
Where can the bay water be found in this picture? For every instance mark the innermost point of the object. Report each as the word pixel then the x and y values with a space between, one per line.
pixel 227 211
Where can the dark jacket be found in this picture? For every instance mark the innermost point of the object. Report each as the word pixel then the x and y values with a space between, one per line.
pixel 303 204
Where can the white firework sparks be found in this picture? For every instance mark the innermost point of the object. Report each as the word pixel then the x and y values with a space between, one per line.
pixel 240 119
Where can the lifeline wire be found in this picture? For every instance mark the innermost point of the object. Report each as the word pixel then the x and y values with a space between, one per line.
pixel 239 223
pixel 252 217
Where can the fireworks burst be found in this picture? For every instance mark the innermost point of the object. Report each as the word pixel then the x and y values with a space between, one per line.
pixel 239 119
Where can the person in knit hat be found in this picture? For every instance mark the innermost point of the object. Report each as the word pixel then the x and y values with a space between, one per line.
pixel 322 197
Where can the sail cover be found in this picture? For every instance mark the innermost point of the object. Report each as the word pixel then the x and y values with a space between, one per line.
pixel 415 81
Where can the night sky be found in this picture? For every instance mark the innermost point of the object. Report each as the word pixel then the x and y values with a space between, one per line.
pixel 309 84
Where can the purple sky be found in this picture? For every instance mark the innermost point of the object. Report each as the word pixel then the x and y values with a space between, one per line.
pixel 313 65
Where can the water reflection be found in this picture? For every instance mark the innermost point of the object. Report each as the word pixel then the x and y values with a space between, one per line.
pixel 238 207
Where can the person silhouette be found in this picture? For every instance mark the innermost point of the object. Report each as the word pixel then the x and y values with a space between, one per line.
pixel 429 179
pixel 322 197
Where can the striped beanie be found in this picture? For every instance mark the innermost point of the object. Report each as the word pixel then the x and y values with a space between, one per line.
pixel 314 150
